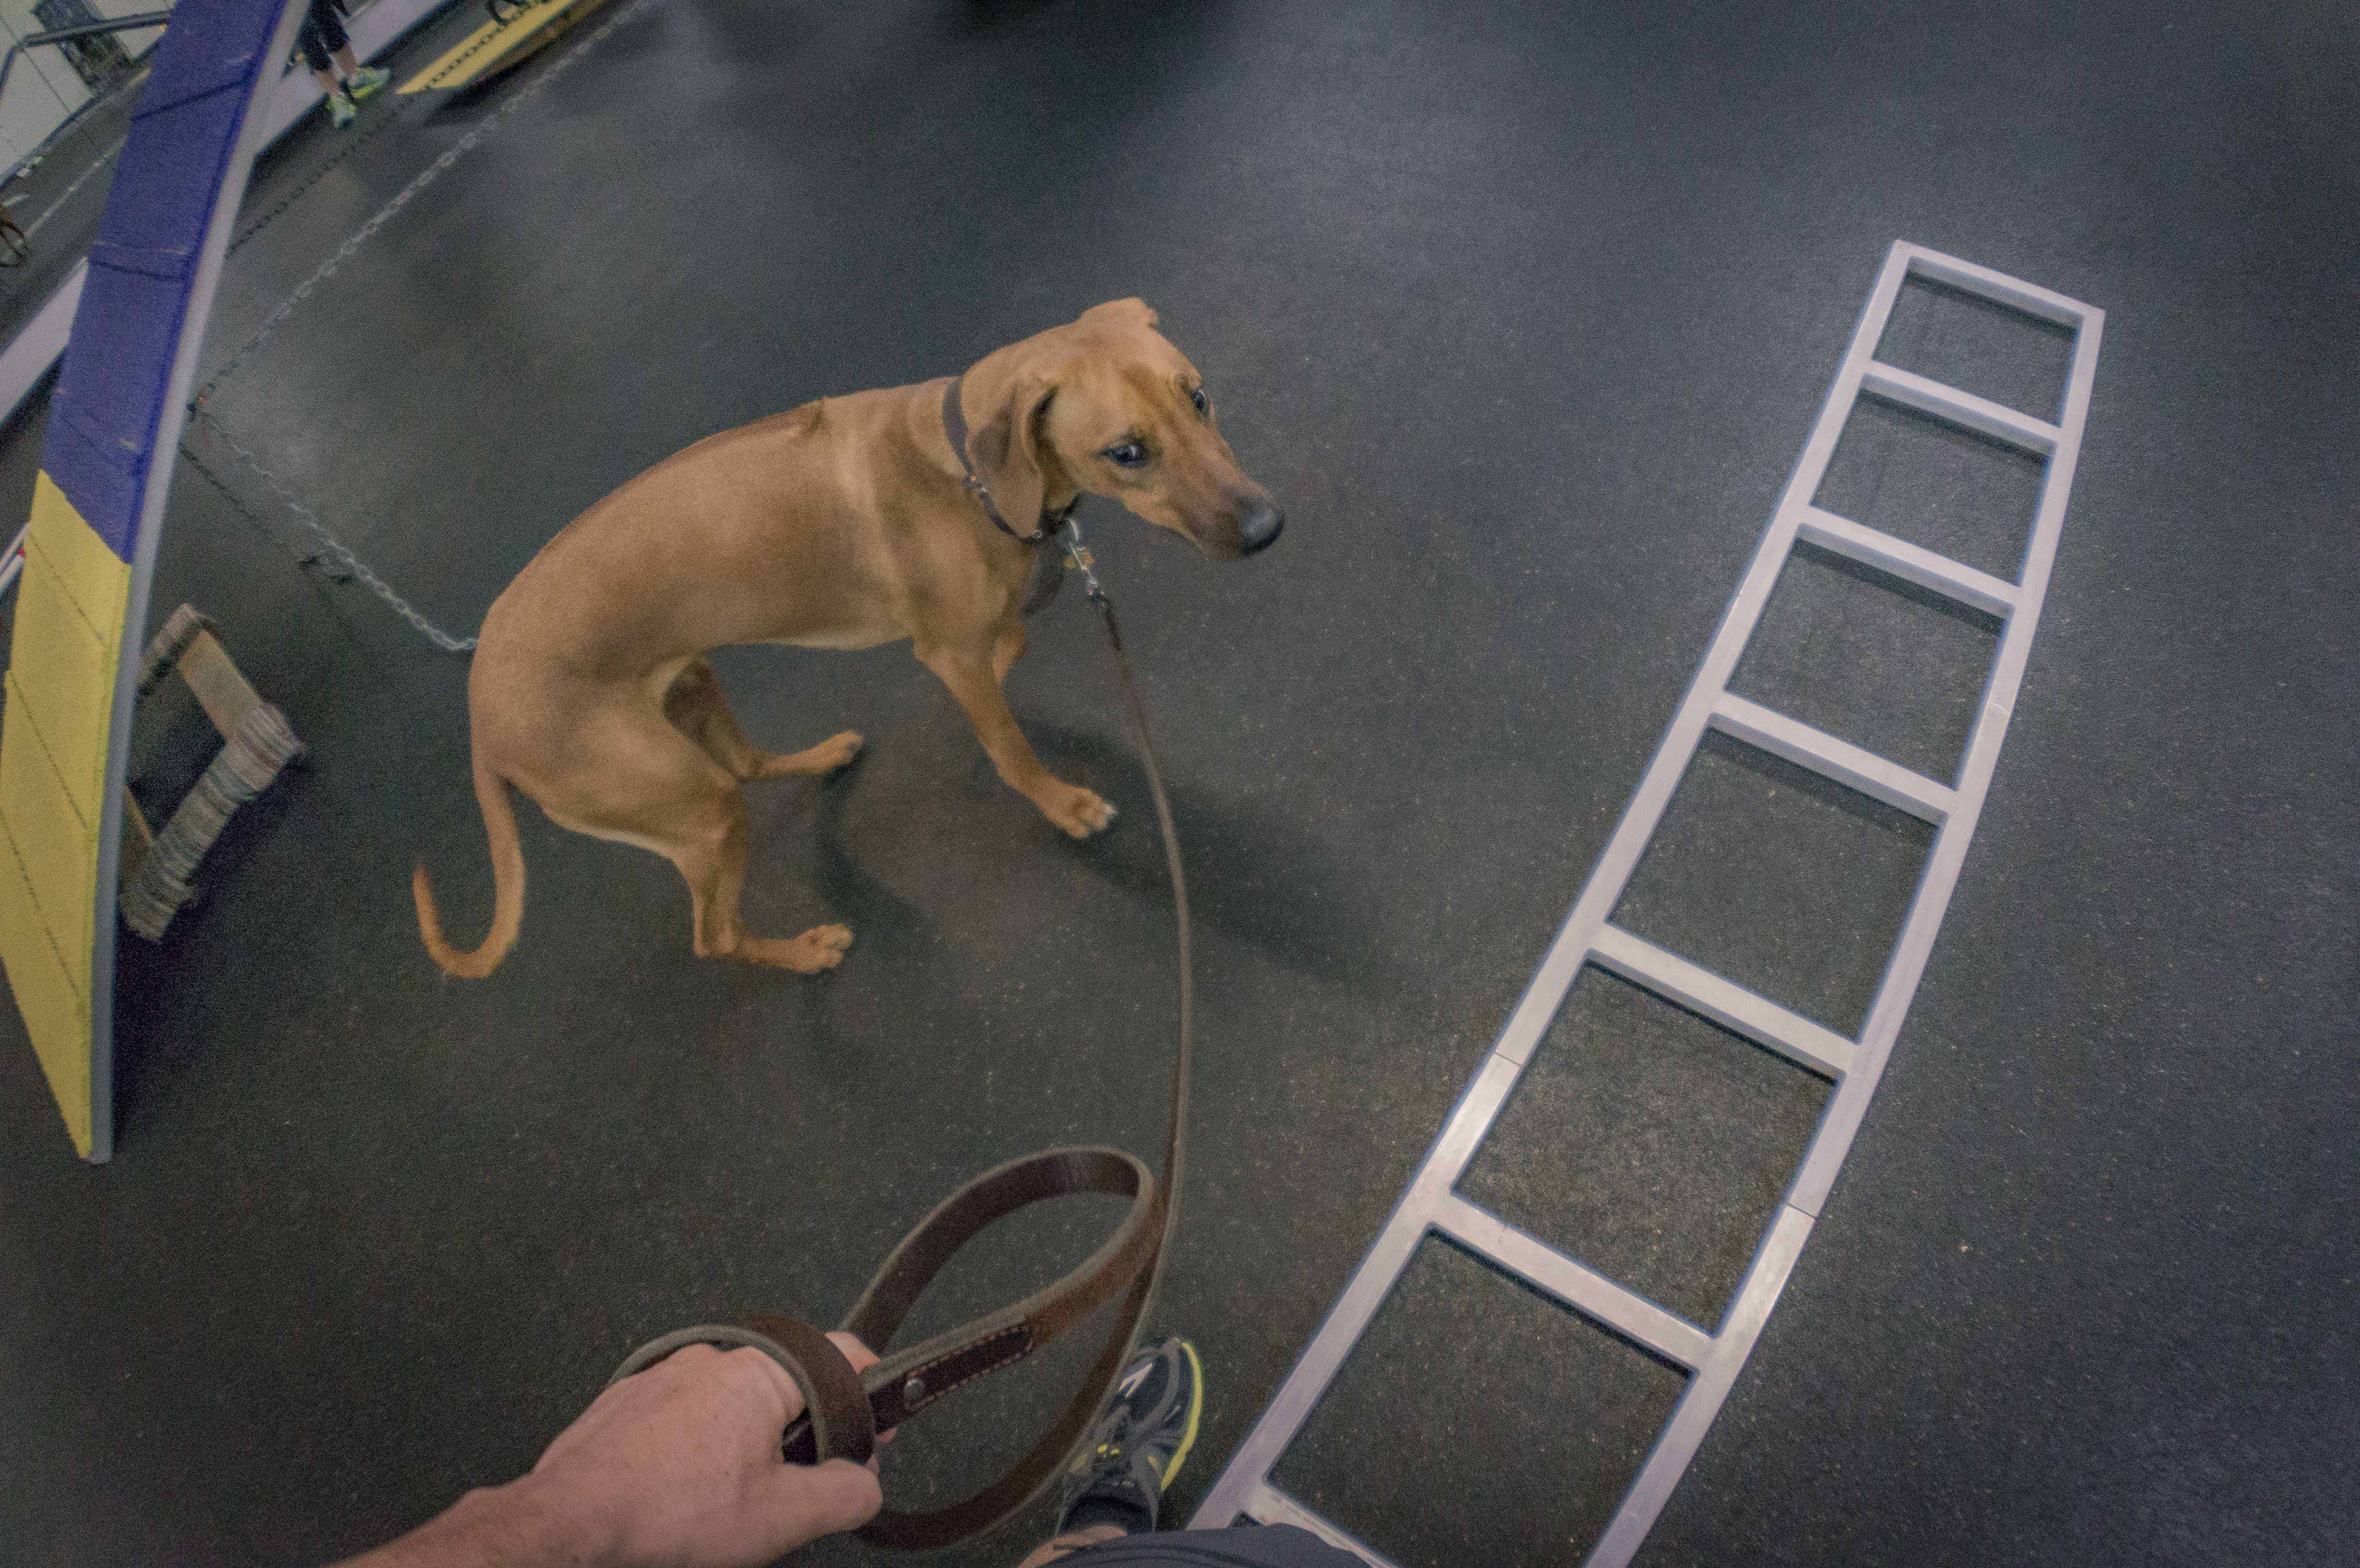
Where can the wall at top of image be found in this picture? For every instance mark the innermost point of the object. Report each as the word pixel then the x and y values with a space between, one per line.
pixel 45 89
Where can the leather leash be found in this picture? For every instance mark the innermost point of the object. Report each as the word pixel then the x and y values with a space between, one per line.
pixel 844 1410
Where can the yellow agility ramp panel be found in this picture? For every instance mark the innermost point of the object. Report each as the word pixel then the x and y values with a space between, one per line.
pixel 500 44
pixel 54 731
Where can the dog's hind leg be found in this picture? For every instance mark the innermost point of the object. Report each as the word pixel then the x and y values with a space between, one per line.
pixel 712 859
pixel 694 704
pixel 657 790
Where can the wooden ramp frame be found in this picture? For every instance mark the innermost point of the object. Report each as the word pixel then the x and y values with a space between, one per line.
pixel 257 744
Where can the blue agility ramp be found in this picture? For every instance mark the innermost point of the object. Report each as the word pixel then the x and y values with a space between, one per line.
pixel 98 508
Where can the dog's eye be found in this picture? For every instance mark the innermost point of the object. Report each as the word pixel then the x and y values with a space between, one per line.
pixel 1196 395
pixel 1129 455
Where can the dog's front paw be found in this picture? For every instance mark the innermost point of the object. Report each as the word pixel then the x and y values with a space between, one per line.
pixel 1080 812
pixel 838 750
pixel 822 947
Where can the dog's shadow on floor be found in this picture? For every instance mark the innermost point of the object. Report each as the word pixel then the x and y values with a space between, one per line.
pixel 880 919
pixel 1253 875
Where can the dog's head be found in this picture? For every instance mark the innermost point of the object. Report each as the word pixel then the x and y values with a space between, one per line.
pixel 1108 406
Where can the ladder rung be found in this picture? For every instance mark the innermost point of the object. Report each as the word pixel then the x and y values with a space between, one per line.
pixel 1907 561
pixel 1726 1003
pixel 1583 1289
pixel 2031 299
pixel 1267 1505
pixel 1841 760
pixel 1907 386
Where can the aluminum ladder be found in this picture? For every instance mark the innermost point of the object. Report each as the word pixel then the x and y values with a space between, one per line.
pixel 1430 1204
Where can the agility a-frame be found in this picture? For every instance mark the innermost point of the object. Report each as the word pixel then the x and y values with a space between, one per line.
pixel 98 509
pixel 1712 1359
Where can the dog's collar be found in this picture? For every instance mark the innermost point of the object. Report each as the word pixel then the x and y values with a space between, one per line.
pixel 954 427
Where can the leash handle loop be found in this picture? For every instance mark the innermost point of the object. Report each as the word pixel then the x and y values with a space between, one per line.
pixel 837 1416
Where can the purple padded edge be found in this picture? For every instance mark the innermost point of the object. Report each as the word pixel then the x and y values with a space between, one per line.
pixel 110 395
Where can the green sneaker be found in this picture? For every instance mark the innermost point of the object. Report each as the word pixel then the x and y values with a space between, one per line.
pixel 340 110
pixel 1149 1426
pixel 367 80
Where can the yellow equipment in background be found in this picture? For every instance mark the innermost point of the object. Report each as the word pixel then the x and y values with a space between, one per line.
pixel 519 30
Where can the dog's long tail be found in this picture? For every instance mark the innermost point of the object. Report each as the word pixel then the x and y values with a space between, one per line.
pixel 508 882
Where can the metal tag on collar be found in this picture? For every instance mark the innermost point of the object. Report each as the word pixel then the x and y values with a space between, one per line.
pixel 1078 557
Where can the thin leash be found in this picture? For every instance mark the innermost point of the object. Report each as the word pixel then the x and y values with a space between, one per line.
pixel 846 1410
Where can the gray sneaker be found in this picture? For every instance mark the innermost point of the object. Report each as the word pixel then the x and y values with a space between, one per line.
pixel 1149 1424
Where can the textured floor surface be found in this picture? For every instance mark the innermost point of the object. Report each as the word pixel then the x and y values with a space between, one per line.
pixel 1525 313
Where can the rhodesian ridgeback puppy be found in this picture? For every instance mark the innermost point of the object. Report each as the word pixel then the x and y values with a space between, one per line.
pixel 845 524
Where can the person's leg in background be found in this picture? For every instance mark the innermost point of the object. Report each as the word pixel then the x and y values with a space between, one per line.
pixel 324 43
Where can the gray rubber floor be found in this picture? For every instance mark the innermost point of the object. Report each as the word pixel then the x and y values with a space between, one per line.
pixel 1525 313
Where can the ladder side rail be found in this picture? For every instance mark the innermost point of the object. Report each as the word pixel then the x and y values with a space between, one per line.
pixel 1916 946
pixel 1480 1104
pixel 1767 1279
pixel 1412 1216
pixel 1667 1461
pixel 1268 1504
pixel 1537 1008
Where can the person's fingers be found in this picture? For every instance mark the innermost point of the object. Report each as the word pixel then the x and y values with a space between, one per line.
pixel 847 1494
pixel 757 1370
pixel 804 1503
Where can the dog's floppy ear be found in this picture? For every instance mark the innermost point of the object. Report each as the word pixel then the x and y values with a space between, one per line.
pixel 1121 312
pixel 1006 450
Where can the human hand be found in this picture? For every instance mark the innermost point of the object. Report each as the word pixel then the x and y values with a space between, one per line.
pixel 679 1465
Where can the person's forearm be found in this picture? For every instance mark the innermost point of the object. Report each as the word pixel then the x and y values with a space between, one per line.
pixel 520 1525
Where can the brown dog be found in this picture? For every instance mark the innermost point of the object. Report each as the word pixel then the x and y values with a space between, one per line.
pixel 846 523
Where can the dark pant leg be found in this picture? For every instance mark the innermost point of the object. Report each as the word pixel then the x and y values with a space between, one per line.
pixel 1247 1546
pixel 322 34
